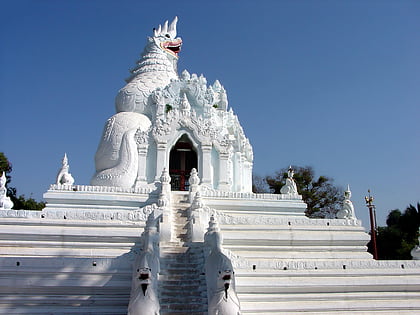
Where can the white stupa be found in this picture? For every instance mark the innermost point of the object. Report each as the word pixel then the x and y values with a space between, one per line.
pixel 169 224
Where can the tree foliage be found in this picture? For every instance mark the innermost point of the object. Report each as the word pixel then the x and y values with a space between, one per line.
pixel 5 166
pixel 400 236
pixel 259 184
pixel 19 202
pixel 322 197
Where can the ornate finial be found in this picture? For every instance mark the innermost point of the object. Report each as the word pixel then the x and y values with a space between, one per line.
pixel 165 30
pixel 185 106
pixel 369 199
pixel 194 179
pixel 213 237
pixel 198 201
pixel 202 80
pixel 65 160
pixel 165 178
pixel 185 75
pixel 217 86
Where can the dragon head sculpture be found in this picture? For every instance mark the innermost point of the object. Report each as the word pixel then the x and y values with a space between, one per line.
pixel 163 46
pixel 144 276
pixel 165 38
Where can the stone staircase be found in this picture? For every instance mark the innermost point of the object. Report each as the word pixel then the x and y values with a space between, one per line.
pixel 182 281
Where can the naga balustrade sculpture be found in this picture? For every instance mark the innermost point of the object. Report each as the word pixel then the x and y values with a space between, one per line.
pixel 144 290
pixel 220 277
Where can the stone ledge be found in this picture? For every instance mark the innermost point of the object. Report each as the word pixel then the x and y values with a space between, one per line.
pixel 369 266
pixel 98 189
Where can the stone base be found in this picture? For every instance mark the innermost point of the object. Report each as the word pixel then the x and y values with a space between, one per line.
pixel 75 256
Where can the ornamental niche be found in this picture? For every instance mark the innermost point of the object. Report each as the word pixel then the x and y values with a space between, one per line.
pixel 166 121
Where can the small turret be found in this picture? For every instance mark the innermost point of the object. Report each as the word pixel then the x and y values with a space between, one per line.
pixel 5 202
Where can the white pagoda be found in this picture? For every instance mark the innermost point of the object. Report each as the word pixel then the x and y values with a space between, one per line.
pixel 169 223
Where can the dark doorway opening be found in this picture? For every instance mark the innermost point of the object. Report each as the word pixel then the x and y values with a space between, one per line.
pixel 182 160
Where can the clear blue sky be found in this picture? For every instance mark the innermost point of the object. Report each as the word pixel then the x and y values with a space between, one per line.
pixel 331 84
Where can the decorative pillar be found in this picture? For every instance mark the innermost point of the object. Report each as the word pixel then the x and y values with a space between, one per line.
pixel 237 169
pixel 160 158
pixel 141 179
pixel 165 179
pixel 194 182
pixel 206 165
pixel 224 183
pixel 164 203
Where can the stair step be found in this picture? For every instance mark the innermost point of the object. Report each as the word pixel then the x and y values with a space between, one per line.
pixel 182 259
pixel 186 286
pixel 163 278
pixel 177 264
pixel 174 312
pixel 180 263
pixel 177 250
pixel 196 299
pixel 187 272
pixel 182 297
pixel 183 306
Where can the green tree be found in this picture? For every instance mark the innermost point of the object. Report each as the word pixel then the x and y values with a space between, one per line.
pixel 398 238
pixel 322 197
pixel 19 202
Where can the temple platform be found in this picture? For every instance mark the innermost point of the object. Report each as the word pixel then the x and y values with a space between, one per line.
pixel 79 261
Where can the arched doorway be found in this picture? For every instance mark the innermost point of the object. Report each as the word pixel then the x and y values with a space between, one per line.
pixel 182 160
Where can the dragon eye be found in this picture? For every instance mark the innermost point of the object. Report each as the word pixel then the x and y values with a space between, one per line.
pixel 167 35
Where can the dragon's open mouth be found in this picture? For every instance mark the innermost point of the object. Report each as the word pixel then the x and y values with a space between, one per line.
pixel 144 276
pixel 172 47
